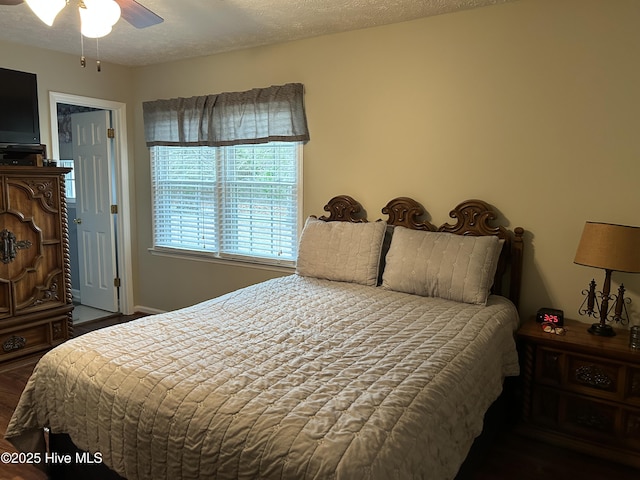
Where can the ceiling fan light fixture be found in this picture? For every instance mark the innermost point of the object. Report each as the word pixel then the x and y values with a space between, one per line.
pixel 97 17
pixel 95 30
pixel 47 10
pixel 107 10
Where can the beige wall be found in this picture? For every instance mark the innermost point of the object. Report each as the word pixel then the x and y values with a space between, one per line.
pixel 531 106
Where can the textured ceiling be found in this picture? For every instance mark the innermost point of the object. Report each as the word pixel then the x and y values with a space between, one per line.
pixel 193 28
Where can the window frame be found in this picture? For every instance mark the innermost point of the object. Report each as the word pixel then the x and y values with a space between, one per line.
pixel 230 258
pixel 70 181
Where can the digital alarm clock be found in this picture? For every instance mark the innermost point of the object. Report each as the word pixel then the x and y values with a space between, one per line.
pixel 550 315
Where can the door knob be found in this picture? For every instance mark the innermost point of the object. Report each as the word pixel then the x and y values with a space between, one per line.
pixel 77 221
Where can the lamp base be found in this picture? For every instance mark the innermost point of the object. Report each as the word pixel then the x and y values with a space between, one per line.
pixel 601 330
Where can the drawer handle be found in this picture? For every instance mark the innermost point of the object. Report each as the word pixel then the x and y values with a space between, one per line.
pixel 9 245
pixel 14 343
pixel 594 377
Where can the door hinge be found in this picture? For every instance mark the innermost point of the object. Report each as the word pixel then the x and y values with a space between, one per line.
pixel 114 209
pixel 111 133
pixel 116 282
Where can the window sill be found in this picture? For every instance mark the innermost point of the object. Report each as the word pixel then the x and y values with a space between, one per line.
pixel 210 258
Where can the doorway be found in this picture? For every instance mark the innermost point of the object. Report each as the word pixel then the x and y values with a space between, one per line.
pixel 117 190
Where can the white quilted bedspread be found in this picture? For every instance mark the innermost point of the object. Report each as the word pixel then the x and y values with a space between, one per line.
pixel 293 378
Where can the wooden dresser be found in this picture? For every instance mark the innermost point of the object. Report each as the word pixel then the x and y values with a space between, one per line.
pixel 582 391
pixel 35 283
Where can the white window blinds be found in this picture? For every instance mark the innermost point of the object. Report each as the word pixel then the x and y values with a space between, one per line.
pixel 184 189
pixel 236 202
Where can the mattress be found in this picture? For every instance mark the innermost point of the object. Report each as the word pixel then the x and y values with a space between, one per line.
pixel 292 378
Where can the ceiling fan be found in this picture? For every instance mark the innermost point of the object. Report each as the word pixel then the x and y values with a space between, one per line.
pixel 97 17
pixel 133 12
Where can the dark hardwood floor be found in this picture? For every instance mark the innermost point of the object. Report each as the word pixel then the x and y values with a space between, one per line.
pixel 508 456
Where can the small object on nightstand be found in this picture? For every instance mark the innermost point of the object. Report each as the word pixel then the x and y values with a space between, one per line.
pixel 548 327
pixel 550 315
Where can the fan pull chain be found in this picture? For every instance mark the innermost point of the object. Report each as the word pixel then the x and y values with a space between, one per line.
pixel 83 60
pixel 98 64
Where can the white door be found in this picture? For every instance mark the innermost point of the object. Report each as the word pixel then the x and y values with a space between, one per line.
pixel 96 232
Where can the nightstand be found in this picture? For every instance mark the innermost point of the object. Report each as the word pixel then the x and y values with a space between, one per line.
pixel 581 391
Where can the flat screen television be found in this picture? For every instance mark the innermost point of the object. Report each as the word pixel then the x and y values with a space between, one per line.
pixel 19 121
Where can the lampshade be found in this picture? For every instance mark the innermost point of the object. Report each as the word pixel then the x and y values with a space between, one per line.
pixel 46 10
pixel 611 247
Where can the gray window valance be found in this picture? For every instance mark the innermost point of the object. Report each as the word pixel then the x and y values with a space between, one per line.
pixel 273 114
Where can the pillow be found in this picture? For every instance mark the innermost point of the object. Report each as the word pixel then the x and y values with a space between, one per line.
pixel 342 251
pixel 444 265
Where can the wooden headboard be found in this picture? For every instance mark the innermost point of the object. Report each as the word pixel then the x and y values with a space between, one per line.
pixel 473 217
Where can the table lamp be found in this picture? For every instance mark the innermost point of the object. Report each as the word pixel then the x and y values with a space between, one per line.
pixel 612 248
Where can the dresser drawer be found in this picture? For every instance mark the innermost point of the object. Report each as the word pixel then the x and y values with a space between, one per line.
pixel 584 374
pixel 550 366
pixel 590 418
pixel 598 421
pixel 586 417
pixel 575 414
pixel 595 376
pixel 17 342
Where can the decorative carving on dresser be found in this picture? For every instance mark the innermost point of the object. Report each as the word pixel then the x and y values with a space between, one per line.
pixel 593 376
pixel 35 278
pixel 66 257
pixel 58 331
pixel 45 191
pixel 14 343
pixel 527 367
pixel 47 294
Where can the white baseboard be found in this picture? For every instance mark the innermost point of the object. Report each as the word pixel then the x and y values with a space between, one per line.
pixel 149 310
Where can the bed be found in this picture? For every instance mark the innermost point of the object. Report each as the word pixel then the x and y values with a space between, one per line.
pixel 377 359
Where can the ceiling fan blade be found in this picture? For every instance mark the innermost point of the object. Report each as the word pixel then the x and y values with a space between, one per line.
pixel 137 15
pixel 11 2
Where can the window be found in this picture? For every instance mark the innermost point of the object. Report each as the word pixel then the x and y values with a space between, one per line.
pixel 226 173
pixel 69 180
pixel 235 202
